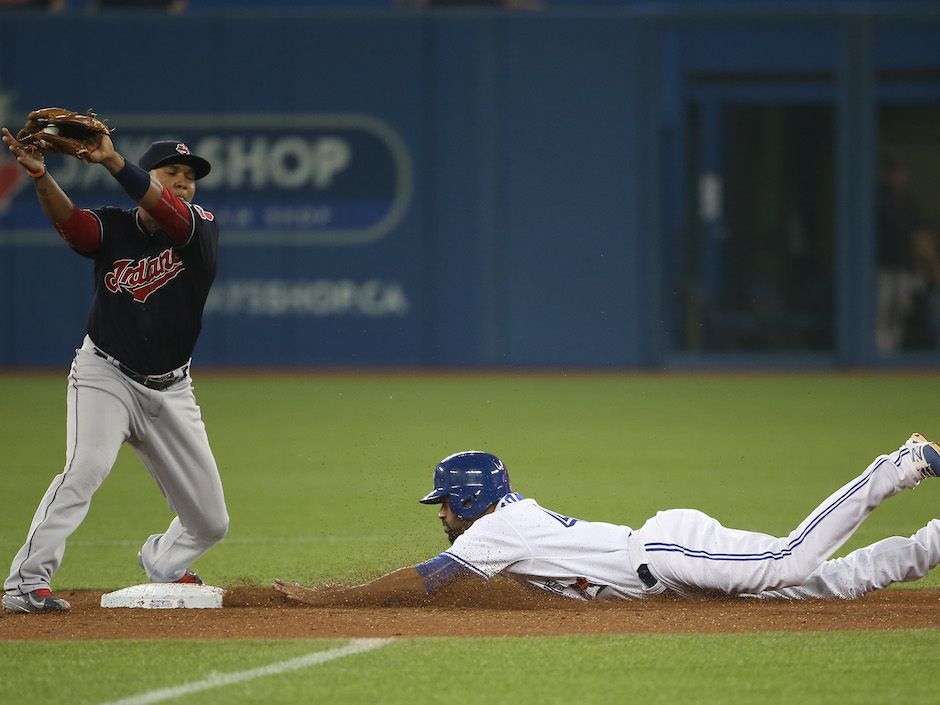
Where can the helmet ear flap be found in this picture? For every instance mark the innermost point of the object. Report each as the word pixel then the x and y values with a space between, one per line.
pixel 465 504
pixel 459 503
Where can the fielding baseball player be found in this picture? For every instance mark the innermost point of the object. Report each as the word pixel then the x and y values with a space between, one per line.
pixel 130 381
pixel 680 551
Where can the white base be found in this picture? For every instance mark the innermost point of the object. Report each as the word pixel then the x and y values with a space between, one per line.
pixel 162 596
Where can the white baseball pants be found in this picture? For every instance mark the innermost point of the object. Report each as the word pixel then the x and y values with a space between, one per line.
pixel 692 553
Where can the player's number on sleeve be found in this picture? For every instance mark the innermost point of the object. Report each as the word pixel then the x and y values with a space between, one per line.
pixel 567 522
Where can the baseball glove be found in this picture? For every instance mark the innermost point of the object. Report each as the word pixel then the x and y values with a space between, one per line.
pixel 62 130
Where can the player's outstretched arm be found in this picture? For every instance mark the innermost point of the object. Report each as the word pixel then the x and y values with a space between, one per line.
pixel 402 585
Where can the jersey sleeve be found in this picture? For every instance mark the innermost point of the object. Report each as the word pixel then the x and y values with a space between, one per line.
pixel 202 246
pixel 82 231
pixel 109 219
pixel 489 547
pixel 442 570
pixel 174 216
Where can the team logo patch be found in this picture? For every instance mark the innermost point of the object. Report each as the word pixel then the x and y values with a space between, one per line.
pixel 182 148
pixel 202 212
pixel 142 277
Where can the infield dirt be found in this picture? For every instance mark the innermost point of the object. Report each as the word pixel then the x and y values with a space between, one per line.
pixel 261 613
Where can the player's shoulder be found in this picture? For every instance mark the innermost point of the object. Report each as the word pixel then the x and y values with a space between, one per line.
pixel 511 499
pixel 512 504
pixel 505 510
pixel 512 509
pixel 202 213
pixel 205 224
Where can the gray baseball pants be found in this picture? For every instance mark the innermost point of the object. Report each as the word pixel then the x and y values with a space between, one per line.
pixel 165 428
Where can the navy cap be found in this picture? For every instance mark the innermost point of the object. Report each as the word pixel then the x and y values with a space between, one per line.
pixel 173 152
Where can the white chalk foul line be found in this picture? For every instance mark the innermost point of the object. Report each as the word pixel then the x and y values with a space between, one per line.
pixel 229 540
pixel 357 646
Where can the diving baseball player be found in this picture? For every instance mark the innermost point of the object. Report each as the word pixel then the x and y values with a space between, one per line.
pixel 680 551
pixel 130 379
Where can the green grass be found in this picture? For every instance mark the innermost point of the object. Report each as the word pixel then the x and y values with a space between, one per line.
pixel 322 474
pixel 785 668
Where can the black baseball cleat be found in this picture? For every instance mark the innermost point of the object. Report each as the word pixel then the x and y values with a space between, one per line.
pixel 190 578
pixel 932 457
pixel 925 454
pixel 35 602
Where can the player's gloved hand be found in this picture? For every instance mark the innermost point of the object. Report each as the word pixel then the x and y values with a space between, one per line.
pixel 63 130
pixel 102 152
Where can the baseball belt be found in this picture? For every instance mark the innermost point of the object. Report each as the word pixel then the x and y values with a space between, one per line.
pixel 653 586
pixel 156 382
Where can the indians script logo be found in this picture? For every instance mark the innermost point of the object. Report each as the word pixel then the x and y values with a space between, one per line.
pixel 143 277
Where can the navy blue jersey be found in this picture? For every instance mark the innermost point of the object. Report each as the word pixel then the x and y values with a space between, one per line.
pixel 149 292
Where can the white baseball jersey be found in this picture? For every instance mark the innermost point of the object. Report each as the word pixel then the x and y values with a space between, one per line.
pixel 572 557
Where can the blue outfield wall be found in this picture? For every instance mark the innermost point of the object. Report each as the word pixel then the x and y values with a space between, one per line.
pixel 394 189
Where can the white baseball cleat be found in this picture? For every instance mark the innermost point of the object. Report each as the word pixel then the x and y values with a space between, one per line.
pixel 925 455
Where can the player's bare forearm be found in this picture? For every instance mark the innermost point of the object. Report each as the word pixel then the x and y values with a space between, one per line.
pixel 55 203
pixel 401 586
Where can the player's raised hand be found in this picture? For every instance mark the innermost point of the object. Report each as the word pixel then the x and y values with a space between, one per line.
pixel 29 159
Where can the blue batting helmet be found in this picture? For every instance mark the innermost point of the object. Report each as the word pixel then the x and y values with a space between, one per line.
pixel 472 480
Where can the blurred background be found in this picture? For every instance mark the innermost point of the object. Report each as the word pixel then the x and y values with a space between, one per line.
pixel 554 184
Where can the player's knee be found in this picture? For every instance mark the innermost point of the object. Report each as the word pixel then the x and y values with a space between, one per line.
pixel 85 474
pixel 793 572
pixel 215 531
